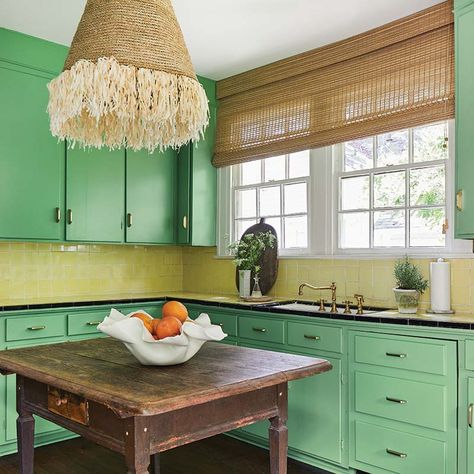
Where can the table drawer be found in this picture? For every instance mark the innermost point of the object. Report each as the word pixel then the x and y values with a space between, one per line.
pixel 313 336
pixel 401 352
pixel 34 327
pixel 418 403
pixel 262 329
pixel 399 452
pixel 85 323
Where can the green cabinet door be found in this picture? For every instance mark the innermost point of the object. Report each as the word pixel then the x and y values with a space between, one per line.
pixel 197 184
pixel 464 28
pixel 151 197
pixel 31 160
pixel 95 195
pixel 470 425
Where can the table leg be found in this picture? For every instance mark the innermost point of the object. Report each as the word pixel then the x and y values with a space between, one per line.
pixel 155 464
pixel 25 427
pixel 278 434
pixel 137 445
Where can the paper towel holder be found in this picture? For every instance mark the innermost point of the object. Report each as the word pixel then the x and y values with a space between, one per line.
pixel 440 311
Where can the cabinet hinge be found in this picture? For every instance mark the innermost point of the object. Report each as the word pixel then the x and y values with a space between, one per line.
pixel 445 227
pixel 342 444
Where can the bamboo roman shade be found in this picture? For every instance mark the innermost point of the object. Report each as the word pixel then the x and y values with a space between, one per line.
pixel 395 76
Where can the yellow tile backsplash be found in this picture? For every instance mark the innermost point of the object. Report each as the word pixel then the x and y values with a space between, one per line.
pixel 36 272
pixel 202 272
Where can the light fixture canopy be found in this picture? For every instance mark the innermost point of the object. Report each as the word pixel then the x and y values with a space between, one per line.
pixel 128 80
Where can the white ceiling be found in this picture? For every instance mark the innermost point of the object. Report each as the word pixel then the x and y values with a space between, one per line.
pixel 226 37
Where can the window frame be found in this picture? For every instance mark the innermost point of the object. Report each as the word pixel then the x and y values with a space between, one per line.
pixel 323 210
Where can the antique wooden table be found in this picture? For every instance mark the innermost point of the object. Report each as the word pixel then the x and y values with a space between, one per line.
pixel 98 390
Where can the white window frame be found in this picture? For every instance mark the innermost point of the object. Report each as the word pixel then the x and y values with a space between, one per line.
pixel 323 196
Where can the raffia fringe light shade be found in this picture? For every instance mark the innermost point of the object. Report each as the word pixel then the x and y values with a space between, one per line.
pixel 128 80
pixel 396 76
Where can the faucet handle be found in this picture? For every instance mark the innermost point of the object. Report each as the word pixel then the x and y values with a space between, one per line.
pixel 347 309
pixel 360 301
pixel 321 304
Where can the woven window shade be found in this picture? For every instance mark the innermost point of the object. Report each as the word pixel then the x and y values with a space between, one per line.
pixel 396 76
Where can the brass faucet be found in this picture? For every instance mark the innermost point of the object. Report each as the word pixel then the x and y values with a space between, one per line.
pixel 332 287
pixel 360 302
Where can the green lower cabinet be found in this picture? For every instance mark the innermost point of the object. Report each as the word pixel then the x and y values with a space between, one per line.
pixel 470 425
pixel 151 197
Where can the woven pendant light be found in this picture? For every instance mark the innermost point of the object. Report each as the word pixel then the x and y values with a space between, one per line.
pixel 128 80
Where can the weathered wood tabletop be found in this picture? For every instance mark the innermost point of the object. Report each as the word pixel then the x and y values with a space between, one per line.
pixel 97 389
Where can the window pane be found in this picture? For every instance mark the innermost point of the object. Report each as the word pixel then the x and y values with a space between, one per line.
pixel 275 222
pixel 427 186
pixel 389 229
pixel 358 154
pixel 392 148
pixel 426 227
pixel 389 189
pixel 274 168
pixel 295 198
pixel 299 164
pixel 296 232
pixel 250 173
pixel 270 201
pixel 242 225
pixel 355 193
pixel 246 203
pixel 430 143
pixel 354 230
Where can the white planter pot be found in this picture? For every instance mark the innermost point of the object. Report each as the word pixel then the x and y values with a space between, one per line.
pixel 407 300
pixel 244 283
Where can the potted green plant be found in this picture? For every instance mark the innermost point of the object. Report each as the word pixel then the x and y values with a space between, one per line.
pixel 247 253
pixel 410 285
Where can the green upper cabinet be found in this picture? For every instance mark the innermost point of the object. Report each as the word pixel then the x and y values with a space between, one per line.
pixel 31 160
pixel 464 28
pixel 151 197
pixel 197 184
pixel 95 196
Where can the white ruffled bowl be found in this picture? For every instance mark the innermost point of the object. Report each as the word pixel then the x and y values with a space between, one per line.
pixel 169 351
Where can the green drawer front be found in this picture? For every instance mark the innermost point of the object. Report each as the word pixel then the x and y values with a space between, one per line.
pixel 85 323
pixel 262 329
pixel 34 327
pixel 469 357
pixel 153 310
pixel 378 447
pixel 313 336
pixel 402 353
pixel 228 322
pixel 418 403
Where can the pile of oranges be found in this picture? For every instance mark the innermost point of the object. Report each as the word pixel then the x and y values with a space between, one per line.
pixel 173 315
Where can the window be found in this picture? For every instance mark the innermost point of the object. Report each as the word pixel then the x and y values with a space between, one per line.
pixel 388 195
pixel 392 190
pixel 277 189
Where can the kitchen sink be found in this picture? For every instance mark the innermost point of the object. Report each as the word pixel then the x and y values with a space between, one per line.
pixel 303 307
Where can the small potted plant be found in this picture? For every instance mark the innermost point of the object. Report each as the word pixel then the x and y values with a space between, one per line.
pixel 410 285
pixel 247 253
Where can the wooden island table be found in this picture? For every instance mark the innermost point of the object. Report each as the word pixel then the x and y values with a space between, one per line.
pixel 98 390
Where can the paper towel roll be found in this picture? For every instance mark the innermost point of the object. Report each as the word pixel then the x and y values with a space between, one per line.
pixel 440 276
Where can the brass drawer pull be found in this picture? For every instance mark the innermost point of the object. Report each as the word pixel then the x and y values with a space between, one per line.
pixel 394 354
pixel 129 219
pixel 396 400
pixel 58 214
pixel 185 222
pixel 396 453
pixel 93 323
pixel 470 410
pixel 259 329
pixel 36 328
pixel 69 216
pixel 459 200
pixel 313 338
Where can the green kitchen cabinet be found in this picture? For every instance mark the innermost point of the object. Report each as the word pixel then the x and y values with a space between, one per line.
pixel 464 75
pixel 95 195
pixel 31 160
pixel 470 425
pixel 151 197
pixel 197 184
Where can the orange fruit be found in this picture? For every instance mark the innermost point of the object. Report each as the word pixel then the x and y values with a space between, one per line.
pixel 167 327
pixel 175 309
pixel 154 324
pixel 147 321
